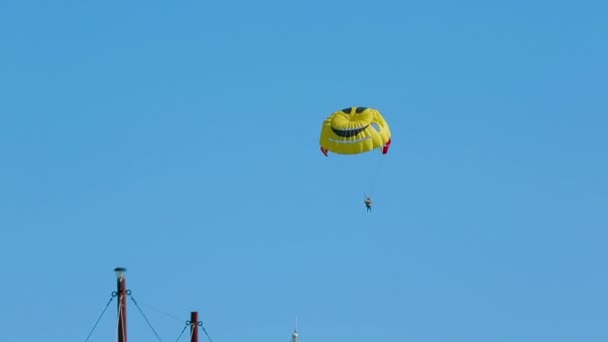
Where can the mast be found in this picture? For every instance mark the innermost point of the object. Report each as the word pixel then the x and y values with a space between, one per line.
pixel 194 326
pixel 121 292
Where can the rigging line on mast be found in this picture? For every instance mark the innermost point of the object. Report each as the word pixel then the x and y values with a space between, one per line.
pixel 198 324
pixel 100 316
pixel 161 312
pixel 119 315
pixel 205 331
pixel 192 333
pixel 180 334
pixel 146 318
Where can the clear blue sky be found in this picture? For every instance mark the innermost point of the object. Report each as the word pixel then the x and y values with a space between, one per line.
pixel 179 139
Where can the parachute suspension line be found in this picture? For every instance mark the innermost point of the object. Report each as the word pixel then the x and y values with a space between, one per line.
pixel 377 175
pixel 146 318
pixel 100 316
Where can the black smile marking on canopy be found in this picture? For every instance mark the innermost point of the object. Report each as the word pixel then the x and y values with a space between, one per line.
pixel 347 133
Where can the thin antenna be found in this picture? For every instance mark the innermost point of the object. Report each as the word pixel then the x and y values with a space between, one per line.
pixel 295 337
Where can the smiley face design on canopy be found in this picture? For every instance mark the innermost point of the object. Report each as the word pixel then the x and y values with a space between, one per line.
pixel 355 130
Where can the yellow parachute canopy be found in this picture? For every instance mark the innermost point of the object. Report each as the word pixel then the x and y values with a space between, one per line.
pixel 355 130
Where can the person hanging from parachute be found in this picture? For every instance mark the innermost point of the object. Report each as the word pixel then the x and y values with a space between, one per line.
pixel 368 204
pixel 355 130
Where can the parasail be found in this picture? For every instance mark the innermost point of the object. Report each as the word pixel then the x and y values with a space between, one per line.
pixel 355 130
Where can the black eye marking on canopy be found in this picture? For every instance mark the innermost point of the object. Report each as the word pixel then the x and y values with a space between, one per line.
pixel 347 133
pixel 358 110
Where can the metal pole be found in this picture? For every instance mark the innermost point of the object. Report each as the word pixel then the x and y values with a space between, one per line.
pixel 121 291
pixel 194 326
